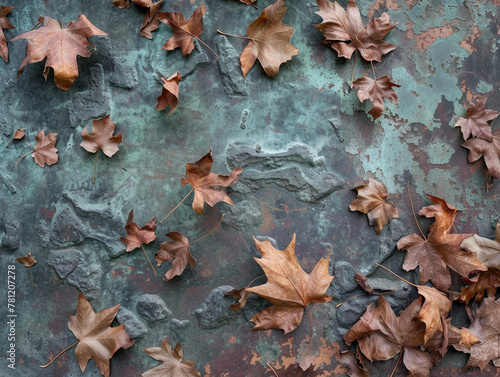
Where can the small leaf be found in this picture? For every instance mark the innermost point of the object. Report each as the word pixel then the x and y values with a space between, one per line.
pixel 176 251
pixel 45 151
pixel 27 261
pixel 136 236
pixel 376 91
pixel 475 122
pixel 172 366
pixel 169 93
pixel 101 137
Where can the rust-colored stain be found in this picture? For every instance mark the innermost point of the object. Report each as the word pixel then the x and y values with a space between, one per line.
pixel 387 4
pixel 431 35
pixel 232 339
pixel 467 43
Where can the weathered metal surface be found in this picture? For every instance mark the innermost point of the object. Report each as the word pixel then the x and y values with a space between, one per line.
pixel 304 140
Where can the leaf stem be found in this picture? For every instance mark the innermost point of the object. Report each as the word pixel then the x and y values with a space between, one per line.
pixel 31 278
pixel 353 65
pixel 29 146
pixel 269 365
pixel 24 155
pixel 209 233
pixel 413 211
pixel 207 46
pixel 59 354
pixel 397 363
pixel 399 277
pixel 95 166
pixel 177 206
pixel 151 264
pixel 258 277
pixel 230 35
pixel 255 6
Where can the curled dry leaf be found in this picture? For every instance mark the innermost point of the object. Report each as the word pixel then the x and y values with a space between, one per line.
pixel 487 251
pixel 490 150
pixel 101 137
pixel 60 46
pixel 433 312
pixel 208 186
pixel 350 362
pixel 362 281
pixel 177 251
pixel 439 250
pixel 485 282
pixel 45 151
pixel 169 93
pixel 18 135
pixel 27 261
pixel 289 288
pixel 184 30
pixel 249 2
pixel 172 366
pixel 4 24
pixel 371 199
pixel 97 340
pixel 475 122
pixel 485 325
pixel 151 18
pixel 136 236
pixel 376 91
pixel 345 33
pixel 269 41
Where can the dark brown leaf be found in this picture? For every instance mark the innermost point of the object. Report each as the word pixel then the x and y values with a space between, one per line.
pixel 27 261
pixel 376 91
pixel 169 93
pixel 176 251
pixel 136 236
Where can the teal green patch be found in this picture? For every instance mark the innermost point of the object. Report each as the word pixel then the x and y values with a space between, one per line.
pixel 268 353
pixel 439 152
pixel 484 87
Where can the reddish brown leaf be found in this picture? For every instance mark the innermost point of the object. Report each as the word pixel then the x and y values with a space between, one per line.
pixel 486 326
pixel 433 254
pixel 184 30
pixel 122 4
pixel 27 261
pixel 443 213
pixel 362 281
pixel 345 33
pixel 433 312
pixel 350 362
pixel 485 282
pixel 208 186
pixel 169 93
pixel 4 24
pixel 489 150
pixel 19 134
pixel 60 46
pixel 101 137
pixel 97 340
pixel 249 2
pixel 289 288
pixel 475 122
pixel 172 366
pixel 376 91
pixel 269 41
pixel 176 251
pixel 45 151
pixel 136 236
pixel 371 199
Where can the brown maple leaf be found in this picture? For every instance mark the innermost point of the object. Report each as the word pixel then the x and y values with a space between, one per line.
pixel 27 261
pixel 362 281
pixel 485 325
pixel 434 311
pixel 208 186
pixel 97 340
pixel 489 150
pixel 439 250
pixel 169 93
pixel 487 251
pixel 18 135
pixel 4 24
pixel 345 33
pixel 151 18
pixel 484 282
pixel 44 151
pixel 269 41
pixel 136 236
pixel 371 200
pixel 289 288
pixel 381 336
pixel 176 251
pixel 60 46
pixel 184 30
pixel 101 137
pixel 376 91
pixel 172 366
pixel 475 122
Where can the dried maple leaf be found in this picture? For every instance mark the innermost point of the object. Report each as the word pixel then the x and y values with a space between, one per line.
pixel 169 93
pixel 45 151
pixel 485 325
pixel 172 366
pixel 362 282
pixel 289 288
pixel 184 30
pixel 101 137
pixel 486 281
pixel 489 150
pixel 371 199
pixel 27 261
pixel 345 33
pixel 433 312
pixel 4 24
pixel 208 186
pixel 176 251
pixel 97 340
pixel 151 18
pixel 376 91
pixel 18 135
pixel 269 41
pixel 60 46
pixel 475 122
pixel 136 236
pixel 432 254
pixel 381 336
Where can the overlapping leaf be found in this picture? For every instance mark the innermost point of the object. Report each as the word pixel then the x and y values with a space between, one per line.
pixel 169 93
pixel 172 366
pixel 376 91
pixel 289 288
pixel 136 236
pixel 60 46
pixel 475 122
pixel 490 150
pixel 177 251
pixel 4 24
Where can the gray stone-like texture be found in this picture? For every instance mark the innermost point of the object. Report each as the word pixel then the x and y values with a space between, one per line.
pixel 344 278
pixel 214 311
pixel 133 324
pixel 153 308
pixel 233 82
pixel 244 215
pixel 11 240
pixel 177 329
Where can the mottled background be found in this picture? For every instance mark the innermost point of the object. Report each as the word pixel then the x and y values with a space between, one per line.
pixel 304 141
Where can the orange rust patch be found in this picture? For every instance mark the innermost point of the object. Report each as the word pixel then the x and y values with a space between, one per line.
pixel 232 339
pixel 206 271
pixel 467 43
pixel 256 358
pixel 389 4
pixel 431 35
pixel 207 371
pixel 339 369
